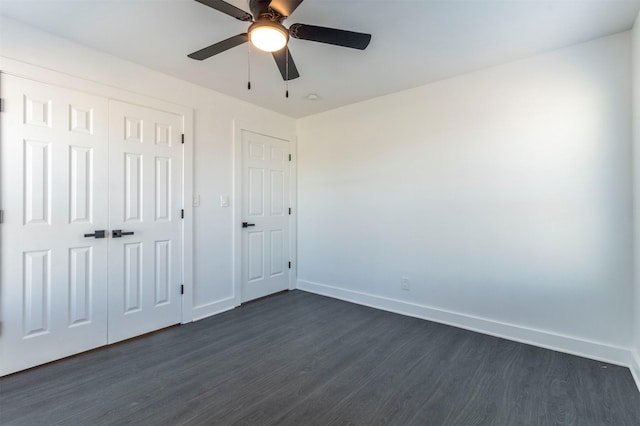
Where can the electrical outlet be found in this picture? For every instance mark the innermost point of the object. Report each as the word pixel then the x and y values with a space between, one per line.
pixel 404 284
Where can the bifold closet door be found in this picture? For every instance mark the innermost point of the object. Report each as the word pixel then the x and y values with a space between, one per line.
pixel 145 192
pixel 54 178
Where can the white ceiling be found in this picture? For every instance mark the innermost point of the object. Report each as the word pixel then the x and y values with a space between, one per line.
pixel 414 41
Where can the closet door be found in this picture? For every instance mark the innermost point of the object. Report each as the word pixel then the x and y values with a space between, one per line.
pixel 145 261
pixel 54 176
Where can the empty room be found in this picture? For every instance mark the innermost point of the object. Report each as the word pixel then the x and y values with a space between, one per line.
pixel 320 212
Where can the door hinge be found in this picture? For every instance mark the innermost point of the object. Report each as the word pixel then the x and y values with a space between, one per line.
pixel 1 216
pixel 289 210
pixel 182 214
pixel 183 138
pixel 1 105
pixel 289 265
pixel 289 157
pixel 181 288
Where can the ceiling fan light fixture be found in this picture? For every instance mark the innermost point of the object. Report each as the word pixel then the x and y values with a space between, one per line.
pixel 267 33
pixel 268 36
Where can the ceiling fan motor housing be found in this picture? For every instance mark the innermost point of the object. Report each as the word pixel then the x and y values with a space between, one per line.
pixel 260 10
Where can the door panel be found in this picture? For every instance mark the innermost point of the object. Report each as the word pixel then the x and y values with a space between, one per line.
pixel 54 175
pixel 277 255
pixel 265 203
pixel 81 159
pixel 146 198
pixel 81 260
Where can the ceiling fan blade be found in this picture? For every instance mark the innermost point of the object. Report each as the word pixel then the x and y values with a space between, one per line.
pixel 285 7
pixel 281 60
pixel 330 36
pixel 219 47
pixel 224 7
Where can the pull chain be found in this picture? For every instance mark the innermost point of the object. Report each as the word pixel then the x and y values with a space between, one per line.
pixel 249 68
pixel 286 66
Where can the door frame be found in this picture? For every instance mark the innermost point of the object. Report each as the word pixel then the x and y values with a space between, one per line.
pixel 47 76
pixel 273 131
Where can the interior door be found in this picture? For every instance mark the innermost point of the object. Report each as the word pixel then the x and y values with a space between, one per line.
pixel 145 261
pixel 54 175
pixel 265 215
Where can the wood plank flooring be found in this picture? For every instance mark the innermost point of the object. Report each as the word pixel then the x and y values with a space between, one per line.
pixel 302 359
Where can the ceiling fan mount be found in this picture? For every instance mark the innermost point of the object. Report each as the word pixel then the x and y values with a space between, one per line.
pixel 268 33
pixel 262 9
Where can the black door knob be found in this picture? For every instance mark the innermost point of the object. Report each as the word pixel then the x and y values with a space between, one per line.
pixel 96 234
pixel 118 233
pixel 246 225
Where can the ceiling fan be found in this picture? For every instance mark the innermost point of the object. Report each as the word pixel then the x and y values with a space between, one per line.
pixel 267 32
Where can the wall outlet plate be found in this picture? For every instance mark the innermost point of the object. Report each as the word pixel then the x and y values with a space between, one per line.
pixel 405 284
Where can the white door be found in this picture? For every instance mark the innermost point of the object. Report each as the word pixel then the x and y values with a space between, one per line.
pixel 265 215
pixel 145 190
pixel 54 191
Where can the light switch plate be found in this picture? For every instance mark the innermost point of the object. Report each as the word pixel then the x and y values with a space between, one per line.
pixel 196 201
pixel 224 201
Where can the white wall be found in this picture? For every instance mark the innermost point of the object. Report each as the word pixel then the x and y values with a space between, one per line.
pixel 503 195
pixel 636 168
pixel 214 115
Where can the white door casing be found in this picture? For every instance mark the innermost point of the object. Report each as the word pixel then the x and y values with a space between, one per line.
pixel 54 174
pixel 265 208
pixel 145 198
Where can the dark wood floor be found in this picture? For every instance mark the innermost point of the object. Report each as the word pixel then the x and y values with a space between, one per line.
pixel 302 359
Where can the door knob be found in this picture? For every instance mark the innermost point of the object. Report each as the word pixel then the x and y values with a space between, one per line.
pixel 96 234
pixel 118 233
pixel 246 225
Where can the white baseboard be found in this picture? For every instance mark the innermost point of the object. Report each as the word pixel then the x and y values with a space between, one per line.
pixel 634 366
pixel 213 308
pixel 571 345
